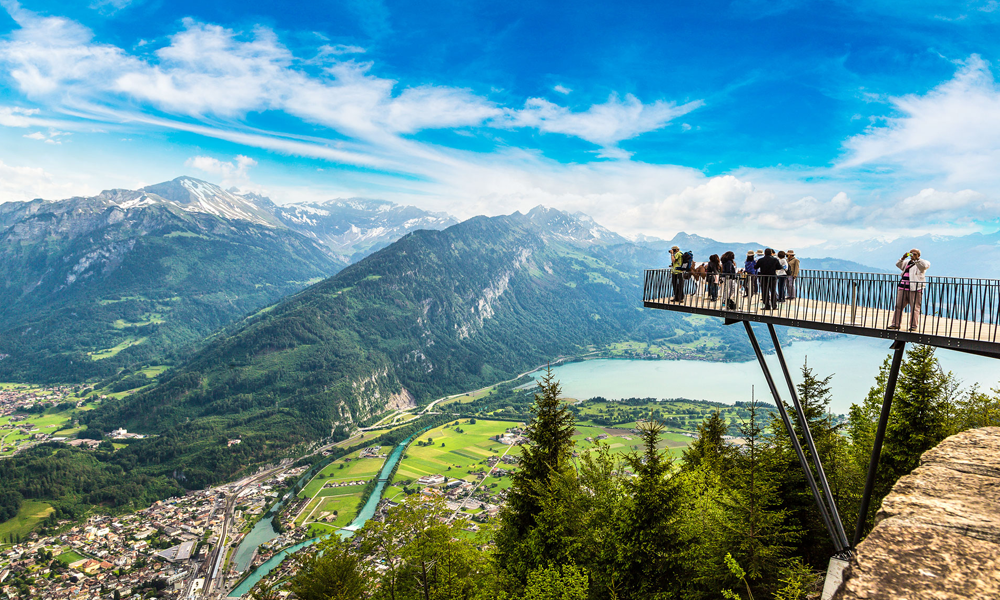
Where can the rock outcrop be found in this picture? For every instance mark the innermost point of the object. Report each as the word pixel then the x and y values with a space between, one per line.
pixel 938 532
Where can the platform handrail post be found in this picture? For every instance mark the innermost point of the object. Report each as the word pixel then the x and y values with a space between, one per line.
pixel 854 299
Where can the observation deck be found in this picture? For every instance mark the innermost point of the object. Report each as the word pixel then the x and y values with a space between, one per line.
pixel 956 313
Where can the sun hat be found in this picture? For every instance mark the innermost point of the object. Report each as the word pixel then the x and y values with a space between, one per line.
pixel 675 247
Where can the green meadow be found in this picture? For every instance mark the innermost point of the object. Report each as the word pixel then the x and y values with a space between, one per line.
pixel 31 512
pixel 342 499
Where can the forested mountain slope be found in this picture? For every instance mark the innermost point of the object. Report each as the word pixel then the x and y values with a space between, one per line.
pixel 435 313
pixel 91 285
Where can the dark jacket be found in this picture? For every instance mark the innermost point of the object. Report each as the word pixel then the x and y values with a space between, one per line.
pixel 729 267
pixel 768 265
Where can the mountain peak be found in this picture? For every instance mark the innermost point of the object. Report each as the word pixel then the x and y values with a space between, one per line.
pixel 197 196
pixel 577 228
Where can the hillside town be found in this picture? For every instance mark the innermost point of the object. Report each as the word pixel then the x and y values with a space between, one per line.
pixel 166 547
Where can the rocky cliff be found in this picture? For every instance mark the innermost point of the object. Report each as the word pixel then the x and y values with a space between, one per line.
pixel 938 533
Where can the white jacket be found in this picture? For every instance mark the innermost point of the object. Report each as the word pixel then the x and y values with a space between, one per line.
pixel 917 278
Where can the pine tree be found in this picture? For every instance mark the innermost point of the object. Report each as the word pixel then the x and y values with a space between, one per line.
pixel 755 526
pixel 648 538
pixel 814 396
pixel 544 461
pixel 709 448
pixel 917 422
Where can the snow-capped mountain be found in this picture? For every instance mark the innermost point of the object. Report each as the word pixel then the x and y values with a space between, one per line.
pixel 356 227
pixel 196 196
pixel 576 228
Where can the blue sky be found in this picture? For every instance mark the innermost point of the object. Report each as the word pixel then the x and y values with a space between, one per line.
pixel 815 122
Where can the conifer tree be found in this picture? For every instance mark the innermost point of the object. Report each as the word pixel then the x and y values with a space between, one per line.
pixel 756 524
pixel 917 422
pixel 814 396
pixel 648 537
pixel 544 461
pixel 708 448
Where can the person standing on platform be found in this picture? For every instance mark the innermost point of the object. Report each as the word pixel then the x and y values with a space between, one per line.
pixel 750 268
pixel 782 275
pixel 767 274
pixel 677 274
pixel 712 276
pixel 910 289
pixel 729 279
pixel 793 274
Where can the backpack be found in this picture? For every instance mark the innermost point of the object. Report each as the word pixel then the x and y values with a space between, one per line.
pixel 687 261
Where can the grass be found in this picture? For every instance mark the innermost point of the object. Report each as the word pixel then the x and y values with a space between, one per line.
pixel 148 319
pixel 154 371
pixel 69 557
pixel 122 299
pixel 355 469
pixel 52 423
pixel 109 352
pixel 31 512
pixel 461 454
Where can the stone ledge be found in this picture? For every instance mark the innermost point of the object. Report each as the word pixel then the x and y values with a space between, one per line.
pixel 937 535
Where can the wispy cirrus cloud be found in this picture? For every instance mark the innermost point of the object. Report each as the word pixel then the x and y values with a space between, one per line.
pixel 952 132
pixel 216 82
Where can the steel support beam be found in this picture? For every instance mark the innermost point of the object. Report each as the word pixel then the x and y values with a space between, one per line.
pixel 837 543
pixel 883 421
pixel 838 525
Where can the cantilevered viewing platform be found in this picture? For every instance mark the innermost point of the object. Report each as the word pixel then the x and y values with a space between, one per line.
pixel 957 313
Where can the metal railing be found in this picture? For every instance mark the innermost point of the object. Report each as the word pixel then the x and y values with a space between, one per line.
pixel 950 307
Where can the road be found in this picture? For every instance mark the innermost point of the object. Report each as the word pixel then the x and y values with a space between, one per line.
pixel 552 363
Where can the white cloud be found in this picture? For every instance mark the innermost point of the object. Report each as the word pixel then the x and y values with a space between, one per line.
pixel 562 89
pixel 13 116
pixel 208 70
pixel 231 173
pixel 602 124
pixel 27 183
pixel 952 132
pixel 51 138
pixel 338 49
pixel 935 206
pixel 47 53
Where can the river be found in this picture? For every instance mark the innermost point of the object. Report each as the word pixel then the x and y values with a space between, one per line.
pixel 366 513
pixel 853 361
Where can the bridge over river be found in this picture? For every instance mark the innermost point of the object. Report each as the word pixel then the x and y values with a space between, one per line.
pixel 955 313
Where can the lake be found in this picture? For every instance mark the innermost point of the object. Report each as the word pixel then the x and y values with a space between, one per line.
pixel 853 361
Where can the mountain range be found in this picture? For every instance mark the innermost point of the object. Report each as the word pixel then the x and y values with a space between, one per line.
pixel 435 313
pixel 91 285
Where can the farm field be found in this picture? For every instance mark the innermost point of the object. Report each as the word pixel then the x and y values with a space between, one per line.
pixel 56 424
pixel 343 499
pixel 677 415
pixel 456 451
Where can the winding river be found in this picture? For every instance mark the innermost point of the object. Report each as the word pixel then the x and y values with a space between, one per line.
pixel 367 511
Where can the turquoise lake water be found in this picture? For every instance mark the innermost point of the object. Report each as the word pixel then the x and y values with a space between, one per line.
pixel 852 361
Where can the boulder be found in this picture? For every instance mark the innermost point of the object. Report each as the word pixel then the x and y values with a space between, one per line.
pixel 937 535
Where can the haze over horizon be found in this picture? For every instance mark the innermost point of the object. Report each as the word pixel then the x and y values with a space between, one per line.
pixel 802 121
